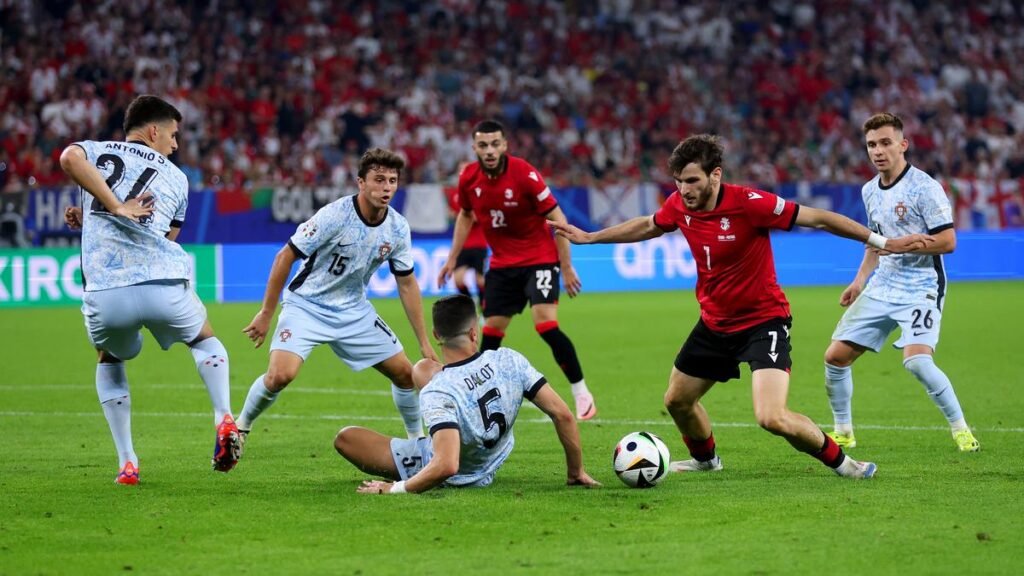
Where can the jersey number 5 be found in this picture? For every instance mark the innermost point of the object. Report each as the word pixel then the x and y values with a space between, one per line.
pixel 492 418
pixel 116 166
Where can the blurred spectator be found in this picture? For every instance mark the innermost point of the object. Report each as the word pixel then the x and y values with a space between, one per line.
pixel 288 92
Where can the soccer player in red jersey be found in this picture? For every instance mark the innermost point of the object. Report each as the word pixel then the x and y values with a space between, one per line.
pixel 474 251
pixel 744 314
pixel 510 200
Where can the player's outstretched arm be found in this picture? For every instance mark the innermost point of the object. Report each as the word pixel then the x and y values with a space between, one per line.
pixel 76 165
pixel 463 224
pixel 842 226
pixel 568 434
pixel 412 302
pixel 570 279
pixel 260 325
pixel 632 230
pixel 442 466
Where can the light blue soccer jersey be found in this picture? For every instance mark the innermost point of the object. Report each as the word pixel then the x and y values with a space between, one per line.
pixel 120 252
pixel 914 204
pixel 341 253
pixel 480 396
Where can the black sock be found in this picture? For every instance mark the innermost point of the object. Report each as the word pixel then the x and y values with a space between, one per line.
pixel 564 352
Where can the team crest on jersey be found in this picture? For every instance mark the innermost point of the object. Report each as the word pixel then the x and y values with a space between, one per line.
pixel 385 250
pixel 508 193
pixel 285 335
pixel 308 229
pixel 901 211
pixel 726 224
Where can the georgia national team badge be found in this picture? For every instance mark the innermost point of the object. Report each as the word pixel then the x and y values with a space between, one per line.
pixel 901 211
pixel 725 224
pixel 385 250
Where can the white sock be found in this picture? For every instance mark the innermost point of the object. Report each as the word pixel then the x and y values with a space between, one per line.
pixel 212 362
pixel 258 400
pixel 119 417
pixel 112 388
pixel 937 384
pixel 839 385
pixel 959 425
pixel 579 388
pixel 408 403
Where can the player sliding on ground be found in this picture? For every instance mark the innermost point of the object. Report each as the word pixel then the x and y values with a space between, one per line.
pixel 745 316
pixel 470 406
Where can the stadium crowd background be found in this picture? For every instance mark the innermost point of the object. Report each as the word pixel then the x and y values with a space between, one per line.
pixel 278 93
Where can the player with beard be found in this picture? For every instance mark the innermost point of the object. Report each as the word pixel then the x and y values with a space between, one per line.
pixel 745 317
pixel 509 198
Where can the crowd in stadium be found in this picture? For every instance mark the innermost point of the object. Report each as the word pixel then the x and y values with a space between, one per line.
pixel 291 92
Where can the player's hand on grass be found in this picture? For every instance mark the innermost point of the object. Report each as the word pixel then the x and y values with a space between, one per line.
pixel 374 487
pixel 570 232
pixel 257 329
pixel 73 217
pixel 137 208
pixel 850 294
pixel 571 280
pixel 582 479
pixel 908 243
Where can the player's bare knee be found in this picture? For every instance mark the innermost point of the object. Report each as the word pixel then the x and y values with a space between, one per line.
pixel 343 441
pixel 773 421
pixel 277 379
pixel 840 355
pixel 678 404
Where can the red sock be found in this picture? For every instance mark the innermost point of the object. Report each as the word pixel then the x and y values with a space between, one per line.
pixel 702 450
pixel 831 454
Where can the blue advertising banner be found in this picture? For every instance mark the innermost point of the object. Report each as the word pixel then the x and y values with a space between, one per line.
pixel 663 263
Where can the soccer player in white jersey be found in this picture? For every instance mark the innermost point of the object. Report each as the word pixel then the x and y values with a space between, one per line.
pixel 906 290
pixel 470 406
pixel 136 275
pixel 342 246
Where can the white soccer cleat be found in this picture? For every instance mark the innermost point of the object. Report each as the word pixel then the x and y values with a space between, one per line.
pixel 851 468
pixel 585 407
pixel 694 465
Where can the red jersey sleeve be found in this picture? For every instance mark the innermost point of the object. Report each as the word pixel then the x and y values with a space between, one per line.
pixel 461 198
pixel 532 183
pixel 669 214
pixel 766 210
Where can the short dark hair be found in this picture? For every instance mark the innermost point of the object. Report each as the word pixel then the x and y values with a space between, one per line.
pixel 146 109
pixel 705 150
pixel 380 159
pixel 489 126
pixel 883 119
pixel 453 316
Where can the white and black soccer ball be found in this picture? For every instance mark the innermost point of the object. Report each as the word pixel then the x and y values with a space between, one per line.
pixel 641 459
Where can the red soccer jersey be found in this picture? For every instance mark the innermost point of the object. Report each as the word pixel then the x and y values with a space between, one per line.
pixel 476 233
pixel 511 208
pixel 736 284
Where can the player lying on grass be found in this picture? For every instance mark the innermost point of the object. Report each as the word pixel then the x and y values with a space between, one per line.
pixel 470 405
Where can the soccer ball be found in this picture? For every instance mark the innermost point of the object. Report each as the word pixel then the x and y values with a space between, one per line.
pixel 640 460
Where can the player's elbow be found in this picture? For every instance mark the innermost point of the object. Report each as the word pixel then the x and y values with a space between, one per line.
pixel 446 468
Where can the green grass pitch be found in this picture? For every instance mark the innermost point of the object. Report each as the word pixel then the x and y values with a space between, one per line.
pixel 290 506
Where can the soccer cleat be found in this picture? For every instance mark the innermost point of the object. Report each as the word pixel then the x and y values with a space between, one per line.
pixel 585 407
pixel 128 475
pixel 694 465
pixel 966 441
pixel 844 440
pixel 243 435
pixel 851 468
pixel 228 448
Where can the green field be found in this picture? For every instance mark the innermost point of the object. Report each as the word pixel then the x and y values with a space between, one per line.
pixel 290 506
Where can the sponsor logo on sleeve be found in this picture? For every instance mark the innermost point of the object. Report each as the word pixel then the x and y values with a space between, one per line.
pixel 780 205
